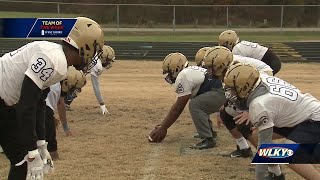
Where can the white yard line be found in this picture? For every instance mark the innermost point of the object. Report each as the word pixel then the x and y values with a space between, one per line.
pixel 152 162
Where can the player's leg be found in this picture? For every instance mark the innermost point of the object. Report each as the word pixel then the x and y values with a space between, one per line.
pixel 272 60
pixel 304 133
pixel 200 109
pixel 239 133
pixel 9 140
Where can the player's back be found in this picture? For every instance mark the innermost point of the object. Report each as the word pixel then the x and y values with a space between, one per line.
pixel 53 96
pixel 261 66
pixel 285 104
pixel 249 49
pixel 43 58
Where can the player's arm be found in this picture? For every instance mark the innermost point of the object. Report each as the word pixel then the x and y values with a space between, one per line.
pixel 97 92
pixel 159 134
pixel 26 114
pixel 36 77
pixel 175 111
pixel 63 115
pixel 40 125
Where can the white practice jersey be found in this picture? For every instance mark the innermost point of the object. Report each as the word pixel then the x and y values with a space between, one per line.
pixel 97 69
pixel 261 66
pixel 42 61
pixel 249 49
pixel 283 106
pixel 53 96
pixel 189 81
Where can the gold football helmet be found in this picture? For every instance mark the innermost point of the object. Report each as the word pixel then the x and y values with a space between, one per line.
pixel 200 55
pixel 217 60
pixel 228 38
pixel 172 65
pixel 75 80
pixel 108 56
pixel 242 79
pixel 88 37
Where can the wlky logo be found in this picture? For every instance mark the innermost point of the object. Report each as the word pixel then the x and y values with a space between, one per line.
pixel 275 152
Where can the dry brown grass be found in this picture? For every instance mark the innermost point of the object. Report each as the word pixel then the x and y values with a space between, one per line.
pixel 116 147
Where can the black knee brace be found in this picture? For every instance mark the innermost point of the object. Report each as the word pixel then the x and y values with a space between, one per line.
pixel 227 119
pixel 230 124
pixel 245 130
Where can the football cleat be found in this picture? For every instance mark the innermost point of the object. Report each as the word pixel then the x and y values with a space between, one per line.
pixel 205 144
pixel 242 153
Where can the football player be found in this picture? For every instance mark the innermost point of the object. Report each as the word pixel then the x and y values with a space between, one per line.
pixel 230 39
pixel 24 75
pixel 55 101
pixel 191 83
pixel 275 106
pixel 216 61
pixel 106 61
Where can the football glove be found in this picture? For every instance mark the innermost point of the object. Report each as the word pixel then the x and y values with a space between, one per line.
pixel 104 110
pixel 34 165
pixel 46 158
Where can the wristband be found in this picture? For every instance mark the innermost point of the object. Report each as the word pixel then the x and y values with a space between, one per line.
pixel 41 142
pixel 32 154
pixel 65 127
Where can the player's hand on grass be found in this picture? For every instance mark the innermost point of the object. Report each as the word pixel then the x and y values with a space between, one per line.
pixel 68 133
pixel 104 110
pixel 157 134
pixel 242 118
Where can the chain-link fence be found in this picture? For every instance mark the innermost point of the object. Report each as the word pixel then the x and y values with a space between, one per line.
pixel 179 16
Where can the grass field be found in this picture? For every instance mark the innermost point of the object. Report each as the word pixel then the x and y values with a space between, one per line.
pixel 115 147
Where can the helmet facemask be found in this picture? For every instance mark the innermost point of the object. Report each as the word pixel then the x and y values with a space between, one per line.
pixel 89 63
pixel 169 77
pixel 108 63
pixel 173 74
